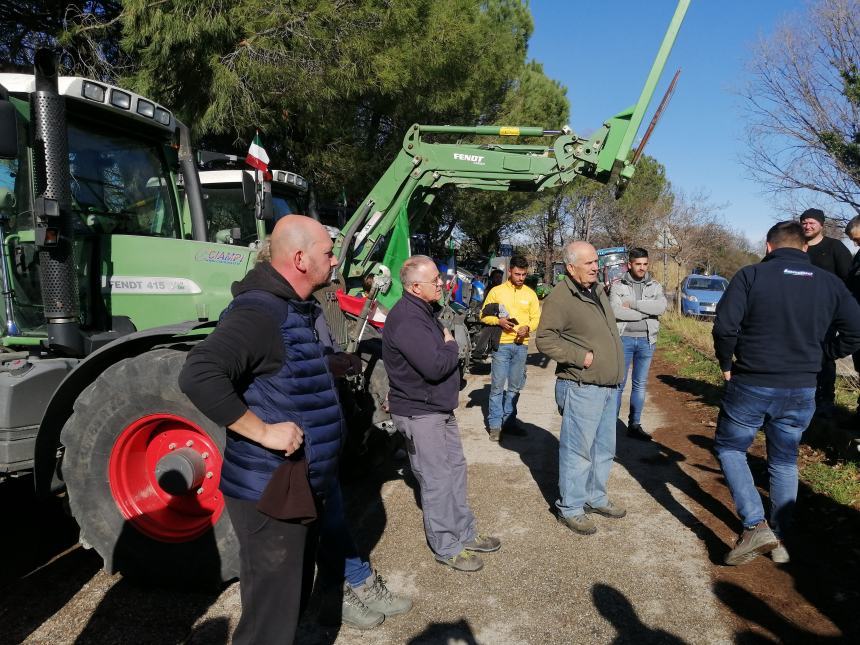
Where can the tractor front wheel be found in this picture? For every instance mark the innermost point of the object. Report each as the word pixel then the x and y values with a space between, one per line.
pixel 142 467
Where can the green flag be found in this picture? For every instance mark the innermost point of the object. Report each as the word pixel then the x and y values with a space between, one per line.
pixel 395 255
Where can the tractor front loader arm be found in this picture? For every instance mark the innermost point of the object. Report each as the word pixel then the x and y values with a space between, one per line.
pixel 423 167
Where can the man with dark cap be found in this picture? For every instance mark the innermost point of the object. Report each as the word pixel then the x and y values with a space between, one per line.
pixel 831 255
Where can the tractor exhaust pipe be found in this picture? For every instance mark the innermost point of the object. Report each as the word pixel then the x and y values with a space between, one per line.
pixel 193 189
pixel 52 210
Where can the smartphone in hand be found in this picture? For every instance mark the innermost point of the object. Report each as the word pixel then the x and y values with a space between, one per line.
pixel 513 321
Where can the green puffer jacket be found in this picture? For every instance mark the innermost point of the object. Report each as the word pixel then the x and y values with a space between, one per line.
pixel 571 325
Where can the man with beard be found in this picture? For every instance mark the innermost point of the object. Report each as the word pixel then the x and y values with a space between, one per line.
pixel 637 301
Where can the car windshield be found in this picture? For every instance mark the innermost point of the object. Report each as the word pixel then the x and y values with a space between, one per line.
pixel 706 284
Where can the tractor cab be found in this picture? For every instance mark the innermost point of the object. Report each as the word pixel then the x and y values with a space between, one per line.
pixel 612 264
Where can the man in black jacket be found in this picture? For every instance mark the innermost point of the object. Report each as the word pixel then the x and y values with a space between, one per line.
pixel 774 318
pixel 422 361
pixel 831 255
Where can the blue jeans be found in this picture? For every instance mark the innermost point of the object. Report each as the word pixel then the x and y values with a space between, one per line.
pixel 586 445
pixel 639 352
pixel 509 365
pixel 783 413
pixel 337 555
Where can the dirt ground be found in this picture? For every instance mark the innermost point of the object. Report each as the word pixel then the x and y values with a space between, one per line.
pixel 652 577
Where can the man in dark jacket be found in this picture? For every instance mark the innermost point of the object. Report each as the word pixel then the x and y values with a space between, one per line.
pixel 773 319
pixel 831 255
pixel 262 374
pixel 422 361
pixel 577 330
pixel 852 232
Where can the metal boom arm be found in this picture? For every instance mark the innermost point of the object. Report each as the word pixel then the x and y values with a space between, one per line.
pixel 423 167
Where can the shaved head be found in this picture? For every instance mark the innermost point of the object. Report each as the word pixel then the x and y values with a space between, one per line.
pixel 301 251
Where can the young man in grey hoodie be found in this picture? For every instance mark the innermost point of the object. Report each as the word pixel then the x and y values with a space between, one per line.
pixel 637 301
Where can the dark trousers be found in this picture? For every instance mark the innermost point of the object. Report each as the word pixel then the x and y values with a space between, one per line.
pixel 275 574
pixel 825 390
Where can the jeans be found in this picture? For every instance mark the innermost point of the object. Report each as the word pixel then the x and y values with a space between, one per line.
pixel 586 445
pixel 639 352
pixel 509 365
pixel 783 413
pixel 337 555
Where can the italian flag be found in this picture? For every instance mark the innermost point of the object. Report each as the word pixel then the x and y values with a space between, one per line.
pixel 257 157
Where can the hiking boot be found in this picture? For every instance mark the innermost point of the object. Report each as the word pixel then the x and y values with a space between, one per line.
pixel 780 554
pixel 377 597
pixel 483 544
pixel 636 431
pixel 752 543
pixel 495 433
pixel 581 524
pixel 354 613
pixel 610 510
pixel 463 561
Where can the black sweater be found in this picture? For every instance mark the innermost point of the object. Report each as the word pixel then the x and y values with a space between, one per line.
pixel 245 345
pixel 774 318
pixel 422 368
pixel 832 255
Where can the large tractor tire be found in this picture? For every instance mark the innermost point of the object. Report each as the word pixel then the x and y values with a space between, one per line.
pixel 142 467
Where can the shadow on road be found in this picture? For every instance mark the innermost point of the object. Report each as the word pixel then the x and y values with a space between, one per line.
pixel 42 568
pixel 657 469
pixel 617 609
pixel 538 450
pixel 825 558
pixel 459 632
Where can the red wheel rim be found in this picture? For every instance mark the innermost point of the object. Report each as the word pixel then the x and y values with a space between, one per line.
pixel 149 508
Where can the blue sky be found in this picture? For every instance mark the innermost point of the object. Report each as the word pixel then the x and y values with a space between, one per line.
pixel 602 51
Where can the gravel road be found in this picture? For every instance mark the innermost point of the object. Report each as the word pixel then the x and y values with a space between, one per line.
pixel 645 578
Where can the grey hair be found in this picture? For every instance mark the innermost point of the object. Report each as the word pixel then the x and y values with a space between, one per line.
pixel 852 225
pixel 569 252
pixel 410 268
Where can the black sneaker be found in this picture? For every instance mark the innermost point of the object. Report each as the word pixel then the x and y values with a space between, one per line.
pixel 636 431
pixel 495 433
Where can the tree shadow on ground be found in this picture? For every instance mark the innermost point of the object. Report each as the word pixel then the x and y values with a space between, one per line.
pixel 42 568
pixel 705 392
pixel 538 450
pixel 754 610
pixel 825 557
pixel 138 613
pixel 480 397
pixel 657 469
pixel 618 610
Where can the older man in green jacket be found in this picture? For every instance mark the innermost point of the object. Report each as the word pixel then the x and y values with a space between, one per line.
pixel 577 329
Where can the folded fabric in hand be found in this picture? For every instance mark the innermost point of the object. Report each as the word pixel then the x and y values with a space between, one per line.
pixel 288 495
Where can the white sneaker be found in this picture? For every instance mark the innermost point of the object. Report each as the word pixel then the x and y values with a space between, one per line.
pixel 780 555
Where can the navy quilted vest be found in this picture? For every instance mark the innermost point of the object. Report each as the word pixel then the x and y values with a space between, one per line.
pixel 302 391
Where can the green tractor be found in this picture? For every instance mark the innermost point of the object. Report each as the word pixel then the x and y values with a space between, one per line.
pixel 109 276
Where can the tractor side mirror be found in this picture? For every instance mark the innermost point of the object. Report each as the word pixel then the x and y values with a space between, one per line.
pixel 249 189
pixel 266 211
pixel 8 130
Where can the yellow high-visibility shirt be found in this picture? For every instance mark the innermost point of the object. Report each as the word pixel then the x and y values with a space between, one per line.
pixel 521 303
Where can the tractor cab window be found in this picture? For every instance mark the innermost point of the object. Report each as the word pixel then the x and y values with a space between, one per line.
pixel 119 185
pixel 227 210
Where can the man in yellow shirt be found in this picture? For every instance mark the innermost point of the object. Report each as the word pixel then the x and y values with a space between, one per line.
pixel 515 308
